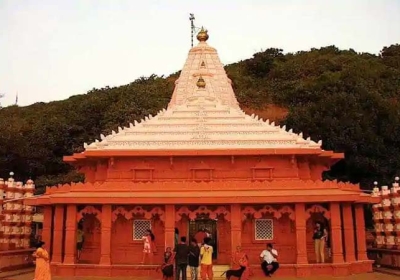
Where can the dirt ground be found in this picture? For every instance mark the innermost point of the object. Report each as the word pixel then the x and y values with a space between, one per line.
pixel 369 276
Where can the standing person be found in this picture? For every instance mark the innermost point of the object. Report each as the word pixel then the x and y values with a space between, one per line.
pixel 167 267
pixel 148 245
pixel 176 237
pixel 42 270
pixel 320 236
pixel 80 238
pixel 206 266
pixel 269 262
pixel 194 257
pixel 240 259
pixel 181 258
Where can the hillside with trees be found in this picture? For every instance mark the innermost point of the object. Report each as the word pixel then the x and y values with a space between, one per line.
pixel 349 100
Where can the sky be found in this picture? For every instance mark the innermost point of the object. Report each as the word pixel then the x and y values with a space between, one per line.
pixel 53 49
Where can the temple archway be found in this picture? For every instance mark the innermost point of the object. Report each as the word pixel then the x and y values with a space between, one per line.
pixel 89 218
pixel 317 213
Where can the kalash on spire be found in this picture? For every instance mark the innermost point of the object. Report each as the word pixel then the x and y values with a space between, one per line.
pixel 203 114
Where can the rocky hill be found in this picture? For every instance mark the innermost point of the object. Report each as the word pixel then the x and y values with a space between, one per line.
pixel 349 100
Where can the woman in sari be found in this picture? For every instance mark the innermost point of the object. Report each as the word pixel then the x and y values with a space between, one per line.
pixel 239 259
pixel 149 247
pixel 167 268
pixel 42 270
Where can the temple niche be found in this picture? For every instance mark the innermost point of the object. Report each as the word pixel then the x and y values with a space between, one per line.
pixel 204 167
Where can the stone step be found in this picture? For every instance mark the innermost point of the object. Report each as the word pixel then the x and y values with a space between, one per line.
pixel 217 271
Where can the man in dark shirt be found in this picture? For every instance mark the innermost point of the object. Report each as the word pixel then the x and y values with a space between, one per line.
pixel 181 258
pixel 194 255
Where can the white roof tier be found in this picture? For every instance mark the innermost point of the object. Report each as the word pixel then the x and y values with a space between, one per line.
pixel 203 114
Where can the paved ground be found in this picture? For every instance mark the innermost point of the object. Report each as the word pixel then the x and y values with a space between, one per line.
pixel 369 276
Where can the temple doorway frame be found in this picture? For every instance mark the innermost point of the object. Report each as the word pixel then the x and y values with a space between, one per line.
pixel 211 225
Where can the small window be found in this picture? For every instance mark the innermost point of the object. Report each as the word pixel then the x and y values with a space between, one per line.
pixel 264 229
pixel 139 228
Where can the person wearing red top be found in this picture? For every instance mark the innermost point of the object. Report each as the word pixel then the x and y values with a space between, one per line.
pixel 199 236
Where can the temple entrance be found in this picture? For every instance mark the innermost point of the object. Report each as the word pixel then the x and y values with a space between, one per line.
pixel 201 228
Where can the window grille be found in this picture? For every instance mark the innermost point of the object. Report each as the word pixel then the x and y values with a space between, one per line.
pixel 264 229
pixel 139 228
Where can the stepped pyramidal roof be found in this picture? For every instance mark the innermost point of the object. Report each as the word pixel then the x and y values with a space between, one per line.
pixel 203 114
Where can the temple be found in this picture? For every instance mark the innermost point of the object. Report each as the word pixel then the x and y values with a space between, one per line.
pixel 203 163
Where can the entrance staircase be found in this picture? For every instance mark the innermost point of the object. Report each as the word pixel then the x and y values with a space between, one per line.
pixel 217 270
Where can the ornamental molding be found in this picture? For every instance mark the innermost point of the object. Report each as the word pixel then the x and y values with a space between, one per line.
pixel 88 210
pixel 250 212
pixel 316 208
pixel 279 185
pixel 138 212
pixel 219 212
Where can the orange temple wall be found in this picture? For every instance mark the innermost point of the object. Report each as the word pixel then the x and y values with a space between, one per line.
pixel 204 168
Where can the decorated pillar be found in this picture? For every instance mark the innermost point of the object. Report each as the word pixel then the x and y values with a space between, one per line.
pixel 348 228
pixel 28 191
pixel 2 187
pixel 58 234
pixel 236 226
pixel 18 217
pixel 377 218
pixel 9 211
pixel 169 226
pixel 360 233
pixel 105 258
pixel 388 228
pixel 70 234
pixel 395 198
pixel 336 232
pixel 301 239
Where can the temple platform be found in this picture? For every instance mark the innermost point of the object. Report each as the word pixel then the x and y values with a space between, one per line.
pixel 285 270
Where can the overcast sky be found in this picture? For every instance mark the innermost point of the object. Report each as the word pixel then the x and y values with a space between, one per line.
pixel 52 49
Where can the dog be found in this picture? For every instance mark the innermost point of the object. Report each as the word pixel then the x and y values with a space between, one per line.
pixel 234 272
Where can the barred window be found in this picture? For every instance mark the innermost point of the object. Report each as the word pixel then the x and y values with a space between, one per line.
pixel 139 228
pixel 263 229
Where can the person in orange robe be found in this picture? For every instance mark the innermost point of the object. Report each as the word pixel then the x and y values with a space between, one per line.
pixel 42 270
pixel 239 259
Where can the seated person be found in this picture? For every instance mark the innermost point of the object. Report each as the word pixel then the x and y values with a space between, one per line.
pixel 269 262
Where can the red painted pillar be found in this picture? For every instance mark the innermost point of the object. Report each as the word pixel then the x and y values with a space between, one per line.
pixel 348 229
pixel 70 235
pixel 336 232
pixel 105 258
pixel 58 233
pixel 47 224
pixel 236 226
pixel 169 224
pixel 360 232
pixel 301 240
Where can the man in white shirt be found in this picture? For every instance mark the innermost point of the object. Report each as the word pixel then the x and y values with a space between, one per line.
pixel 269 262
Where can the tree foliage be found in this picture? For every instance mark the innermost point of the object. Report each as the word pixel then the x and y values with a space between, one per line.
pixel 349 100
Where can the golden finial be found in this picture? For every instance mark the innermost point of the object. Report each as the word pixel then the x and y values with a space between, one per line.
pixel 201 83
pixel 202 36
